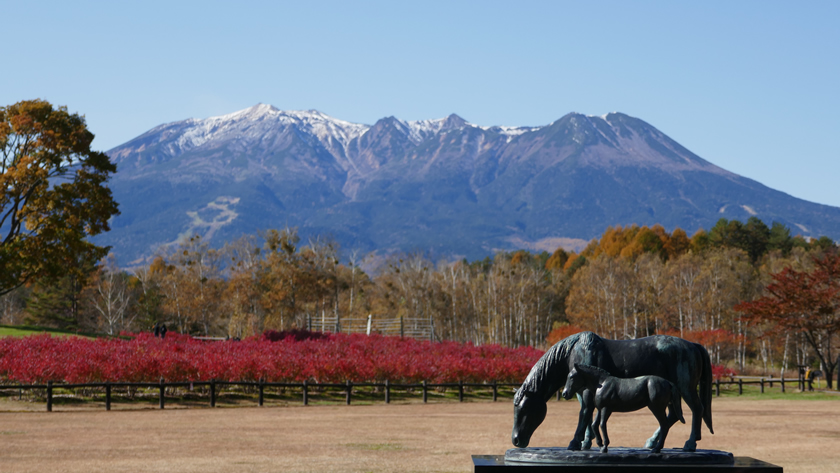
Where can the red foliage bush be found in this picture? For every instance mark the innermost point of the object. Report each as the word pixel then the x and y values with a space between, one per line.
pixel 719 372
pixel 331 359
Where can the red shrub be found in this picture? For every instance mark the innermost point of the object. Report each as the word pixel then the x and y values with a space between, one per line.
pixel 322 358
pixel 719 372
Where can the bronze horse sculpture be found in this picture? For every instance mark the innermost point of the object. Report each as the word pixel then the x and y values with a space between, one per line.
pixel 683 363
pixel 610 394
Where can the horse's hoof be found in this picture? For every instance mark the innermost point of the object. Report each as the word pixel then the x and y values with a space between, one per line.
pixel 650 442
pixel 655 450
pixel 587 444
pixel 574 445
pixel 690 446
pixel 604 449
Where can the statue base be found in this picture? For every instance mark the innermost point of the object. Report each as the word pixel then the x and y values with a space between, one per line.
pixel 618 455
pixel 618 460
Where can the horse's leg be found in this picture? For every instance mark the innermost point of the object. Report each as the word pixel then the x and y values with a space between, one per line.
pixel 597 421
pixel 664 425
pixel 653 440
pixel 605 415
pixel 584 418
pixel 589 398
pixel 693 400
pixel 584 433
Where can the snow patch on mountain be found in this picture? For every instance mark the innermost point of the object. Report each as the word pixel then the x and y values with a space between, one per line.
pixel 261 119
pixel 421 130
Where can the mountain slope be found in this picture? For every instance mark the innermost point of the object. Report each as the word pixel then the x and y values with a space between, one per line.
pixel 443 185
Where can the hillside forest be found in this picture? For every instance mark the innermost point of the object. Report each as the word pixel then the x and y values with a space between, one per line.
pixel 631 282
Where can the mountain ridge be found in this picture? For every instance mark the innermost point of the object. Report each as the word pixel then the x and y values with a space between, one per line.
pixel 444 185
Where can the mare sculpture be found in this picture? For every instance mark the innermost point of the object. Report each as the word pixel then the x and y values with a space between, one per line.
pixel 610 394
pixel 681 362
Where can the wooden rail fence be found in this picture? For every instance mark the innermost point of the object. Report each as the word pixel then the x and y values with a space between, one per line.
pixel 740 382
pixel 347 387
pixel 214 386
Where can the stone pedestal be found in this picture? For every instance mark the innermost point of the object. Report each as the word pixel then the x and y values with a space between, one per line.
pixel 618 460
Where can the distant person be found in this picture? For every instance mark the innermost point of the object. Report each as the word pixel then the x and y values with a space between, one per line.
pixel 162 330
pixel 157 329
pixel 809 376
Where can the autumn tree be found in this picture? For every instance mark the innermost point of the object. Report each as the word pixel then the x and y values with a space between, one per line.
pixel 242 298
pixel 52 193
pixel 58 301
pixel 109 295
pixel 806 302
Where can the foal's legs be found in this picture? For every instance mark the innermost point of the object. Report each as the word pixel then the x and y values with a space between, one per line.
pixel 604 415
pixel 595 424
pixel 584 433
pixel 664 425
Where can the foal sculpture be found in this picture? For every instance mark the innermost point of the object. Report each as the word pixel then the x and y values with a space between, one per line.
pixel 610 394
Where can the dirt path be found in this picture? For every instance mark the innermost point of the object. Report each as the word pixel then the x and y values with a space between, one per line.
pixel 801 436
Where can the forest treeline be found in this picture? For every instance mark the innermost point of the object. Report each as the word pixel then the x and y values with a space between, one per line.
pixel 631 282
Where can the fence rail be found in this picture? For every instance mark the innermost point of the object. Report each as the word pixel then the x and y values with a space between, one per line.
pixel 347 387
pixel 742 380
pixel 213 386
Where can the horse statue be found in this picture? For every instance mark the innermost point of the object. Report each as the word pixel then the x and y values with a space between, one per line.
pixel 610 394
pixel 681 362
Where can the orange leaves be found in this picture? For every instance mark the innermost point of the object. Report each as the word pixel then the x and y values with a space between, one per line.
pixel 53 195
pixel 560 332
pixel 633 241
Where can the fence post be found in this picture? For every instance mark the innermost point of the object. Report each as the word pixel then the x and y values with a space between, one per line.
pixel 349 391
pixel 740 386
pixel 402 328
pixel 461 391
pixel 495 390
pixel 262 391
pixel 783 384
pixel 425 392
pixel 212 393
pixel 717 386
pixel 305 392
pixel 161 387
pixel 762 385
pixel 108 396
pixel 387 391
pixel 49 396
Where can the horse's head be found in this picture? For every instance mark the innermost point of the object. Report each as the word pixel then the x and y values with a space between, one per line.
pixel 528 413
pixel 574 383
pixel 583 377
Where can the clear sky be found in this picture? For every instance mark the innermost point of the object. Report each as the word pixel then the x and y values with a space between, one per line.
pixel 752 86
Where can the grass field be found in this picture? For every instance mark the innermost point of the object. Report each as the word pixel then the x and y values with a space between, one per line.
pixel 24 331
pixel 801 434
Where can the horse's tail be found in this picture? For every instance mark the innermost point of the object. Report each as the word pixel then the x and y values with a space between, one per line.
pixel 676 403
pixel 706 386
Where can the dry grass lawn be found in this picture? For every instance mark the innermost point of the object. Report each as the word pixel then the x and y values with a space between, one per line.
pixel 802 436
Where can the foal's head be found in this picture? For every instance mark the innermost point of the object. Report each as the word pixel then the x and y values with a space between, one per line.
pixel 583 377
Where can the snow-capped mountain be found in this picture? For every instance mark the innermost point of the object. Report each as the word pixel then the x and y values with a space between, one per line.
pixel 446 184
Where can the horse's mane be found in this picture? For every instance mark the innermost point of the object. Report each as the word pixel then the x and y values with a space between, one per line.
pixel 537 379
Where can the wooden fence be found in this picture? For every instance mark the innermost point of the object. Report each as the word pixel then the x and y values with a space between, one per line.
pixel 305 387
pixel 347 388
pixel 799 383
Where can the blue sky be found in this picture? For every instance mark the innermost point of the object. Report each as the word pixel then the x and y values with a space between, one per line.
pixel 752 86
